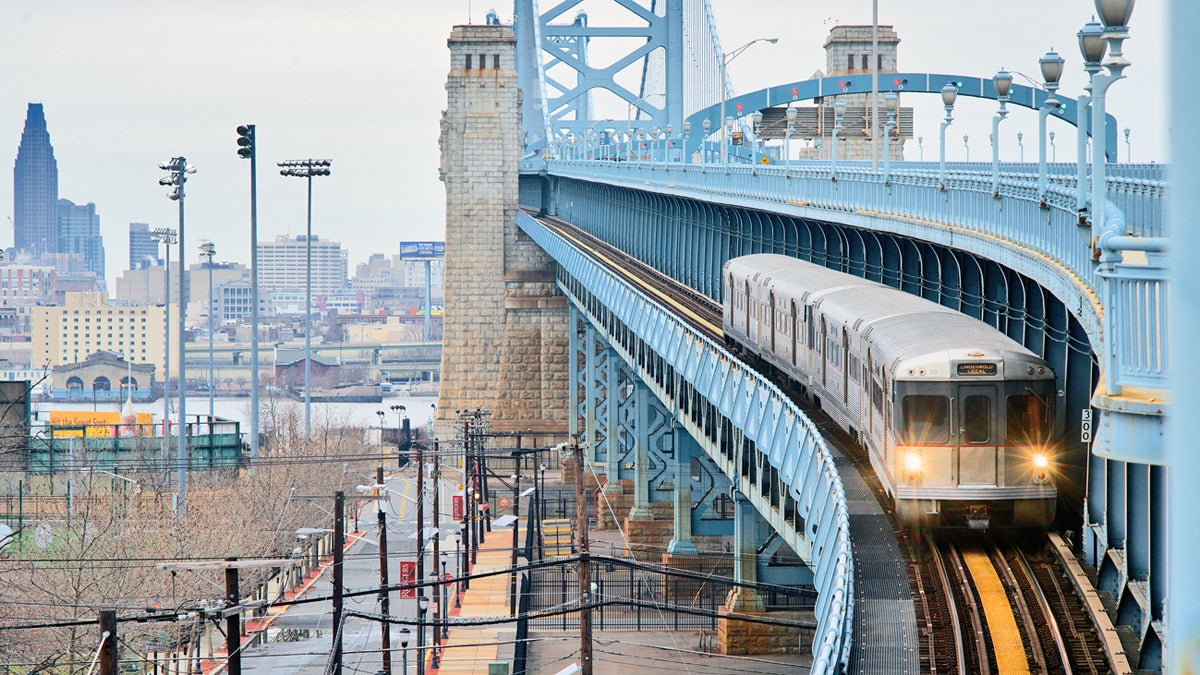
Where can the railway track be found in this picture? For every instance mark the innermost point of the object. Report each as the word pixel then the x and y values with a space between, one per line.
pixel 998 605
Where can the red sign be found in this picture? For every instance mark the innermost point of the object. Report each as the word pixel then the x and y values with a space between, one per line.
pixel 456 507
pixel 408 576
pixel 505 503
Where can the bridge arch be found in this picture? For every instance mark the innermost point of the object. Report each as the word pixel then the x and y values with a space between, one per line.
pixel 922 83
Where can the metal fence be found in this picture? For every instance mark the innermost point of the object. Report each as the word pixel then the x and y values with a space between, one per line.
pixel 645 599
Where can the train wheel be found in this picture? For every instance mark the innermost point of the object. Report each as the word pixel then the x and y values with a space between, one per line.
pixel 1034 512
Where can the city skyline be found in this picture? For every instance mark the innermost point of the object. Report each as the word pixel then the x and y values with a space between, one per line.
pixel 117 107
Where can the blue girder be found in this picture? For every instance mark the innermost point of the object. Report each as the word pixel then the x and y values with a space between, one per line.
pixel 745 422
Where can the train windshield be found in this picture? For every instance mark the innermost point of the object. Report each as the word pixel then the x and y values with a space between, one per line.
pixel 1029 419
pixel 926 418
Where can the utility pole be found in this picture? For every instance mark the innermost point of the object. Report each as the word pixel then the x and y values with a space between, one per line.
pixel 468 502
pixel 437 552
pixel 247 149
pixel 516 527
pixel 108 642
pixel 585 575
pixel 385 640
pixel 233 622
pixel 420 551
pixel 339 543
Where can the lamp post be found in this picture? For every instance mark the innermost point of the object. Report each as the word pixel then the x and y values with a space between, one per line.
pixel 178 170
pixel 1092 48
pixel 791 115
pixel 208 250
pixel 404 634
pixel 1052 67
pixel 706 126
pixel 839 113
pixel 1053 151
pixel 1021 145
pixel 892 101
pixel 400 436
pixel 1115 15
pixel 756 119
pixel 1128 149
pixel 726 58
pixel 921 147
pixel 422 606
pixel 307 169
pixel 166 236
pixel 380 413
pixel 1002 81
pixel 949 95
pixel 687 131
pixel 247 149
pixel 967 146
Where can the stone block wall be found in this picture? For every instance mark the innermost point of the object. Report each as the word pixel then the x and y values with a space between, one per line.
pixel 748 637
pixel 505 325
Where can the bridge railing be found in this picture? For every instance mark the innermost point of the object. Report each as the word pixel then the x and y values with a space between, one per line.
pixel 1130 294
pixel 788 439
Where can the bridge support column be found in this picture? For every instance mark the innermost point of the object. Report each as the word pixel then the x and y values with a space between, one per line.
pixel 681 544
pixel 745 560
pixel 611 422
pixel 641 475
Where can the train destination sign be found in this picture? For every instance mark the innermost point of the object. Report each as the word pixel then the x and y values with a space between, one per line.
pixel 977 369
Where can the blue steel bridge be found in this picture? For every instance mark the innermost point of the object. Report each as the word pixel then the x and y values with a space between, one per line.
pixel 1065 258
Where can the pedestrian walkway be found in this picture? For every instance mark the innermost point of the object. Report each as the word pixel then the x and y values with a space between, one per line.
pixel 468 649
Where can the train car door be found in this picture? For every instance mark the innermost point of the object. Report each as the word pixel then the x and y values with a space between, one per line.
pixel 794 330
pixel 773 317
pixel 978 429
pixel 751 338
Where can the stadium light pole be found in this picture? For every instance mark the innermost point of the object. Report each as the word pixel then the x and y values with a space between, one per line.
pixel 177 170
pixel 166 235
pixel 208 250
pixel 726 58
pixel 247 149
pixel 307 168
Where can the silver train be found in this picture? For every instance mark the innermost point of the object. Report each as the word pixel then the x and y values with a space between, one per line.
pixel 957 418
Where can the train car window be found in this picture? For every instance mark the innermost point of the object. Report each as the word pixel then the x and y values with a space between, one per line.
pixel 977 419
pixel 877 396
pixel 926 418
pixel 1027 418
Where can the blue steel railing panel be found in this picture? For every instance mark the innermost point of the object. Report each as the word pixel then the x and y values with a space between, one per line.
pixel 740 393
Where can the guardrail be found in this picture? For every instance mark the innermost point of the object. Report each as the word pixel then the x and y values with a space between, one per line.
pixel 784 436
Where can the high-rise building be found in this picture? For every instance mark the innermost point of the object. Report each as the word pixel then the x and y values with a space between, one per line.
pixel 282 265
pixel 35 188
pixel 143 250
pixel 86 323
pixel 79 232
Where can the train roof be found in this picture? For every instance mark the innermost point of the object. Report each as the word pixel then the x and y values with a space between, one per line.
pixel 900 325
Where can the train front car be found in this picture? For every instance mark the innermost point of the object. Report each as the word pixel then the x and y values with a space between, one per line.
pixel 974 436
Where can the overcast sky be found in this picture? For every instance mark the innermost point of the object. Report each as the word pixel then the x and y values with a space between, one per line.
pixel 129 83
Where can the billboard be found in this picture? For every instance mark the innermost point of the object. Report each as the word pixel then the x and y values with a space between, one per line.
pixel 422 249
pixel 100 423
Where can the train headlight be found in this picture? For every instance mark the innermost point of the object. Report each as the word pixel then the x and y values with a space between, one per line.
pixel 912 466
pixel 1041 468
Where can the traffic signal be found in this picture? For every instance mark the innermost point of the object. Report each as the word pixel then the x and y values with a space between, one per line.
pixel 245 141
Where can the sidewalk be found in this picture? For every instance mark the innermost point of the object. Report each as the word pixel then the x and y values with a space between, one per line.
pixel 470 650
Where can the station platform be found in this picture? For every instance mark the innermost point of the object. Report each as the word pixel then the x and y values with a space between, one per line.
pixel 470 650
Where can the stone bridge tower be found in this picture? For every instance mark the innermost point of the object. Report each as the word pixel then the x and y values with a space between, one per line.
pixel 505 339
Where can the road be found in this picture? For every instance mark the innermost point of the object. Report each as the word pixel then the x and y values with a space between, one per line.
pixel 309 626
